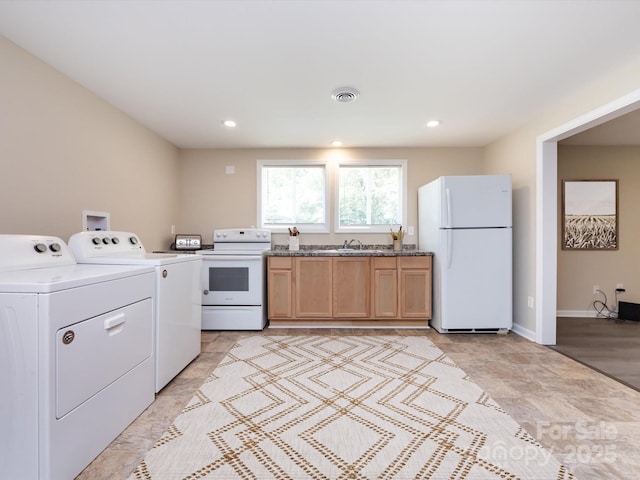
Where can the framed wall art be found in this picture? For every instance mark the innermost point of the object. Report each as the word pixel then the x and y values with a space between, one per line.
pixel 590 214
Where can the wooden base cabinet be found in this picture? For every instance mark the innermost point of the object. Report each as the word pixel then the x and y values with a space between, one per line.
pixel 313 279
pixel 384 292
pixel 280 287
pixel 351 287
pixel 358 289
pixel 415 287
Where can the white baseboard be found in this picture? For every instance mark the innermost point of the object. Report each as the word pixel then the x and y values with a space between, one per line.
pixel 523 332
pixel 577 313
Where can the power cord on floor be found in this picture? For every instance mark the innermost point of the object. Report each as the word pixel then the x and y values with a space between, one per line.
pixel 602 306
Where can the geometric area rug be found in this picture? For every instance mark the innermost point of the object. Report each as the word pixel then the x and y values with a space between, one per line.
pixel 352 407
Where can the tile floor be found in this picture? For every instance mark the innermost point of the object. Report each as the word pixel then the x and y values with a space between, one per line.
pixel 590 422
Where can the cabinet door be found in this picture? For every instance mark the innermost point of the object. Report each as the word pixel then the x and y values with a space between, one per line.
pixel 384 293
pixel 312 279
pixel 415 287
pixel 351 287
pixel 280 287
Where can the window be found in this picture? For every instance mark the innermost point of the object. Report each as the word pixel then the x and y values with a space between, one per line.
pixel 370 195
pixel 292 193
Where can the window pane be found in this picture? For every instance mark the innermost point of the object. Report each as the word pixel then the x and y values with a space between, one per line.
pixel 370 195
pixel 293 195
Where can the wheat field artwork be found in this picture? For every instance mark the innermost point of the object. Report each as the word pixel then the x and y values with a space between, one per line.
pixel 589 220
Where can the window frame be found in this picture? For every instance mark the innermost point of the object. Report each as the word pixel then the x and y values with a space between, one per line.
pixel 304 227
pixel 369 163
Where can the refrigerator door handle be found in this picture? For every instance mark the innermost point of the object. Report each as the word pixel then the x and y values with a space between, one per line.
pixel 447 192
pixel 449 254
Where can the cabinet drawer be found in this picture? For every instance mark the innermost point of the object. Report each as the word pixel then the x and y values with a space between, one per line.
pixel 284 263
pixel 384 262
pixel 414 262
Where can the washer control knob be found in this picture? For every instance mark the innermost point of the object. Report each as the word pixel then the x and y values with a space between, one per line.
pixel 115 240
pixel 55 247
pixel 106 240
pixel 133 240
pixel 40 247
pixel 95 240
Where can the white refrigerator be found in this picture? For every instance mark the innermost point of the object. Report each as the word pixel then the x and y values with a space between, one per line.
pixel 466 222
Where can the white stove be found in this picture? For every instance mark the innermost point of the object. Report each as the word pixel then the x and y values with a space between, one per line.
pixel 76 363
pixel 234 280
pixel 177 322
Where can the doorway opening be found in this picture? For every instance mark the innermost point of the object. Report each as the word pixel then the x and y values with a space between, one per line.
pixel 547 208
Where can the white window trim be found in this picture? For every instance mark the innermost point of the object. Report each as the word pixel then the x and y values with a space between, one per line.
pixel 317 228
pixel 368 163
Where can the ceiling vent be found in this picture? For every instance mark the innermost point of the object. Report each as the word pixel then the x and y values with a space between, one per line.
pixel 345 94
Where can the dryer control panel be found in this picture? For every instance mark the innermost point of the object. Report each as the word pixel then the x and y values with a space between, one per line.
pixel 105 243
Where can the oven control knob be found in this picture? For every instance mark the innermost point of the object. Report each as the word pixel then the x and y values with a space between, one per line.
pixel 206 292
pixel 95 240
pixel 40 247
pixel 106 240
pixel 54 247
pixel 115 240
pixel 133 240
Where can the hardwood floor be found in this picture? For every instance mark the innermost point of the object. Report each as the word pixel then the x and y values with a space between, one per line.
pixel 588 421
pixel 610 346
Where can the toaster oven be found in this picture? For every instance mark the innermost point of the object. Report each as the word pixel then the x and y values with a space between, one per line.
pixel 187 242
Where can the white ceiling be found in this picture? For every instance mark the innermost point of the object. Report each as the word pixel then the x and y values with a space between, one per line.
pixel 482 67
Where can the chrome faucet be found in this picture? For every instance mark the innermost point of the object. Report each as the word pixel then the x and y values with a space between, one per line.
pixel 347 245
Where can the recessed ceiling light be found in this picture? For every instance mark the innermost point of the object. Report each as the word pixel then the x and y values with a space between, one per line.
pixel 345 94
pixel 433 123
pixel 229 123
pixel 336 143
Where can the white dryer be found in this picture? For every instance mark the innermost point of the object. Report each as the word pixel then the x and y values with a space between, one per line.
pixel 177 309
pixel 76 363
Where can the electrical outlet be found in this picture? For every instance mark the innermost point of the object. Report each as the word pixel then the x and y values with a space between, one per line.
pixel 619 285
pixel 173 229
pixel 530 302
pixel 411 231
pixel 596 288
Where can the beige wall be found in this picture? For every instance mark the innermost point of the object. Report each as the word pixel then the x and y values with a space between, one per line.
pixel 209 198
pixel 64 150
pixel 579 271
pixel 510 155
pixel 517 152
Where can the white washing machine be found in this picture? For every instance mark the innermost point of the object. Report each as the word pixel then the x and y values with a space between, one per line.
pixel 76 364
pixel 177 309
